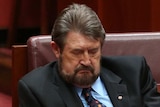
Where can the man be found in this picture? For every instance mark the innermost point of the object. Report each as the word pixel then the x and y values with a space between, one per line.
pixel 81 77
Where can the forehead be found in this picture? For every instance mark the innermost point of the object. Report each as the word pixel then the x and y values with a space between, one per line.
pixel 76 39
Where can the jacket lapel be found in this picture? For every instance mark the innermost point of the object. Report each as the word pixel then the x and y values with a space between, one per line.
pixel 69 96
pixel 117 92
pixel 66 91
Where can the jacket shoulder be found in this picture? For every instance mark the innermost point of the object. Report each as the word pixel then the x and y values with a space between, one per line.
pixel 122 60
pixel 35 76
pixel 126 66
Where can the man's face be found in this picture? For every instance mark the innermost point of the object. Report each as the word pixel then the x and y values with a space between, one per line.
pixel 79 63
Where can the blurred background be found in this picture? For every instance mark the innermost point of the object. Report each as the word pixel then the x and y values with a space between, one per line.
pixel 20 19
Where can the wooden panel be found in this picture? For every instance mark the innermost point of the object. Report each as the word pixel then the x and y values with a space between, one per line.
pixel 158 87
pixel 19 62
pixel 5 70
pixel 5 10
pixel 48 15
pixel 61 4
pixel 125 15
pixel 155 15
pixel 118 16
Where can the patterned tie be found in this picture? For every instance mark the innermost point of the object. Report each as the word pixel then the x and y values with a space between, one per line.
pixel 92 102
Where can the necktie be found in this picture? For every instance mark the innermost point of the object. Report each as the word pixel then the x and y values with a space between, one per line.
pixel 92 102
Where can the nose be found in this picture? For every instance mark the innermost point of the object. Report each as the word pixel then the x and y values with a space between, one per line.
pixel 86 59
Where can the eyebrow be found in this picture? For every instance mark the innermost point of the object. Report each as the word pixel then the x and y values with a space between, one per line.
pixel 79 49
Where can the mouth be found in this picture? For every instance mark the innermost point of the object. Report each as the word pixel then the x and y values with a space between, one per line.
pixel 84 71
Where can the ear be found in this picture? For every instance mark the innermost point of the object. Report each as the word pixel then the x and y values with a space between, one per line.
pixel 55 49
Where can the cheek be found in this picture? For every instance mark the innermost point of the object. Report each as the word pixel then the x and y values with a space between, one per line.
pixel 69 64
pixel 96 63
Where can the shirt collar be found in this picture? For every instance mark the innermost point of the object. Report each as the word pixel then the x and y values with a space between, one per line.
pixel 98 87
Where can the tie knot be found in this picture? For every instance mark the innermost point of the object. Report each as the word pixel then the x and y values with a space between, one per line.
pixel 86 91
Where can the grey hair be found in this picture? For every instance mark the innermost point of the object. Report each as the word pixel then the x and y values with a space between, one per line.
pixel 77 18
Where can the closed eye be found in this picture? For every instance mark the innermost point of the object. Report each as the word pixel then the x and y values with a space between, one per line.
pixel 77 51
pixel 93 51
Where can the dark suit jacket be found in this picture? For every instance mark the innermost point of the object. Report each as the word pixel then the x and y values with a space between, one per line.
pixel 127 76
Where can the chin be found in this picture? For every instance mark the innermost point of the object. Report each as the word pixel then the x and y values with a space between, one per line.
pixel 82 86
